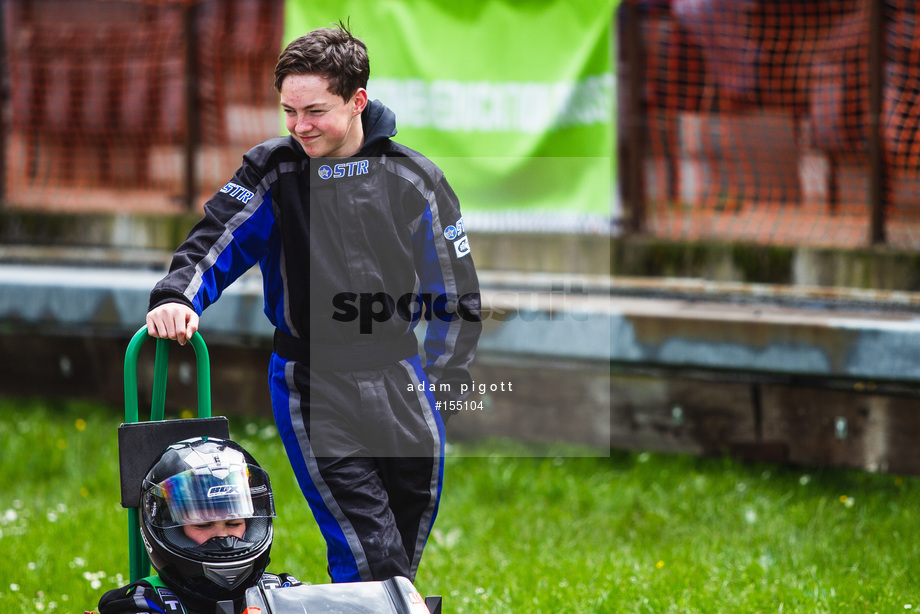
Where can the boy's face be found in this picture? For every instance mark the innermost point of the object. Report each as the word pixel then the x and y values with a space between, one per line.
pixel 325 125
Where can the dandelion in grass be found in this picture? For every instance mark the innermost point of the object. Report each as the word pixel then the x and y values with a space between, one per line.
pixel 659 564
pixel 39 602
pixel 80 424
pixel 848 502
pixel 750 516
pixel 805 479
pixel 94 579
pixel 447 540
pixel 14 587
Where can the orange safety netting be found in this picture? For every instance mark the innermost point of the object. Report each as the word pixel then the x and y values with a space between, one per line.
pixel 102 92
pixel 757 120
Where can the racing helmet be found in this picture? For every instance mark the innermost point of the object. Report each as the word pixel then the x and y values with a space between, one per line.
pixel 198 481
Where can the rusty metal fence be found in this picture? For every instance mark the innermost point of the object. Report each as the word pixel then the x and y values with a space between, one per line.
pixel 133 105
pixel 774 121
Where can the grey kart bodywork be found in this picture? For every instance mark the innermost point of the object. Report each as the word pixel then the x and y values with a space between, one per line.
pixel 394 596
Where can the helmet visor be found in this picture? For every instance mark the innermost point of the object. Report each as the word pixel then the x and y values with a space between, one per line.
pixel 208 494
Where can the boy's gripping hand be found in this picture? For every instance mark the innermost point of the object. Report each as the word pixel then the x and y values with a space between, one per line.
pixel 176 321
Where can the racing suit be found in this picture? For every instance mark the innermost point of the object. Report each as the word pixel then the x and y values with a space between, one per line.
pixel 355 253
pixel 151 595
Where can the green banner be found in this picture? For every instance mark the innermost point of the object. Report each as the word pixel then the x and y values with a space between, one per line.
pixel 514 99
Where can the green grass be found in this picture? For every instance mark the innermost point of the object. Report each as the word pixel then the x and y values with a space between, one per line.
pixel 630 533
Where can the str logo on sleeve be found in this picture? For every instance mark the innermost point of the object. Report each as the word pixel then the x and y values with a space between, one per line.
pixel 454 230
pixel 238 192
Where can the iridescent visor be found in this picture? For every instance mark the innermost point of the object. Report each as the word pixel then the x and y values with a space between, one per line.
pixel 203 495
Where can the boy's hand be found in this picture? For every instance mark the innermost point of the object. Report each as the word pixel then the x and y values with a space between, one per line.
pixel 176 321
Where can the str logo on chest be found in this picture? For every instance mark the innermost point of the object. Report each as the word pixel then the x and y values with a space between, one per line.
pixel 345 169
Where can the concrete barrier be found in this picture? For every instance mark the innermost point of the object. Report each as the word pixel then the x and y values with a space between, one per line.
pixel 595 361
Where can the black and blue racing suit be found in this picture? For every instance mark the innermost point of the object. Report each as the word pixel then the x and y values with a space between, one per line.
pixel 152 596
pixel 355 253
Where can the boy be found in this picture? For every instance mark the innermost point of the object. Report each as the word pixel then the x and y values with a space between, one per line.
pixel 358 238
pixel 206 518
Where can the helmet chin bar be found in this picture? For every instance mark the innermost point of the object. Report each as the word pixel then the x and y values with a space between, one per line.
pixel 226 543
pixel 227 575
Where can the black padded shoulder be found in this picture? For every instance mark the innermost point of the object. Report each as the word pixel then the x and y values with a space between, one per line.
pixel 273 151
pixel 407 156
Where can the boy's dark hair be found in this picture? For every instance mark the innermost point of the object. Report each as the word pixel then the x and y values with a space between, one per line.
pixel 332 53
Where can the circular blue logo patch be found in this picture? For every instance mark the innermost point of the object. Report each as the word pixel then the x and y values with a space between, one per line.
pixel 325 171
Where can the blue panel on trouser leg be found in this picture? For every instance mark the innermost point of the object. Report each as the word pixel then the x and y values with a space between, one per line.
pixel 416 364
pixel 342 563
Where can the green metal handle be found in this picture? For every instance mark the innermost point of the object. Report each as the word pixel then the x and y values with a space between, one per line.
pixel 138 559
pixel 158 401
